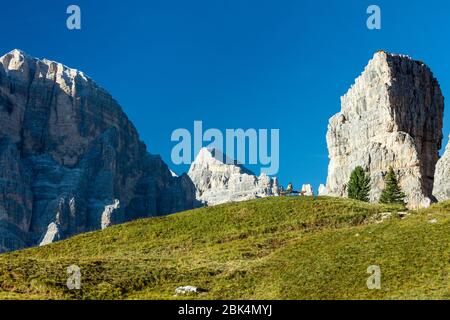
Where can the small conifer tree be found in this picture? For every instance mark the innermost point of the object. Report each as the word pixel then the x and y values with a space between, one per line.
pixel 392 193
pixel 359 185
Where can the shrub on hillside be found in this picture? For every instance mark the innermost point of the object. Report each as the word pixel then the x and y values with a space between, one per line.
pixel 359 185
pixel 392 193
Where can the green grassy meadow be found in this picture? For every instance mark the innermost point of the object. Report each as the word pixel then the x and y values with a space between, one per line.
pixel 272 248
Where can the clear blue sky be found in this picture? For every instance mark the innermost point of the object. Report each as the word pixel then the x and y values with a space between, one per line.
pixel 232 63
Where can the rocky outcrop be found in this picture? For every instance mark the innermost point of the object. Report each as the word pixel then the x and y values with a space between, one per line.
pixel 391 116
pixel 307 190
pixel 442 177
pixel 218 182
pixel 275 187
pixel 322 190
pixel 53 234
pixel 70 160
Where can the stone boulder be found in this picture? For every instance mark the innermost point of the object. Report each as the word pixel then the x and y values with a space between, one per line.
pixel 391 117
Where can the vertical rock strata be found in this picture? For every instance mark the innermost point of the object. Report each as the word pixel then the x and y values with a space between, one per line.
pixel 442 177
pixel 391 116
pixel 70 160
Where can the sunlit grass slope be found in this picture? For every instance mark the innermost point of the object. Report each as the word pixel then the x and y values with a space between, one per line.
pixel 274 248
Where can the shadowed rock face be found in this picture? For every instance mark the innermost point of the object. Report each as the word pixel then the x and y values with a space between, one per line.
pixel 442 178
pixel 391 116
pixel 70 160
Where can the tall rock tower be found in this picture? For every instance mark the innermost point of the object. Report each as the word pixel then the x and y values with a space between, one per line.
pixel 391 117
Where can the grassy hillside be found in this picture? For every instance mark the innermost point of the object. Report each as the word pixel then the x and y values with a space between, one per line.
pixel 274 248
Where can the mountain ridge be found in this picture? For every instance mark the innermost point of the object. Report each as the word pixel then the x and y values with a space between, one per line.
pixel 71 161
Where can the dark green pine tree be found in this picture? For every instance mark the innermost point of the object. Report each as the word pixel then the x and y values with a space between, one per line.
pixel 392 193
pixel 359 185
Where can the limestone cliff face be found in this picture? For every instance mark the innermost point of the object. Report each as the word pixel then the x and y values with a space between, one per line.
pixel 218 182
pixel 70 160
pixel 391 116
pixel 442 178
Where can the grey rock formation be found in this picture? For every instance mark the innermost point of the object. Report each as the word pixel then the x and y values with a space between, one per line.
pixel 53 234
pixel 322 190
pixel 307 190
pixel 218 182
pixel 275 187
pixel 70 160
pixel 391 116
pixel 109 213
pixel 442 177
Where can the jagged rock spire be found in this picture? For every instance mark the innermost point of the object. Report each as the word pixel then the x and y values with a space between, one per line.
pixel 391 116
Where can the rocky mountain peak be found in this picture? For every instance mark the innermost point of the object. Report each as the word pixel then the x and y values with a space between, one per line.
pixel 18 59
pixel 216 160
pixel 208 156
pixel 218 180
pixel 14 58
pixel 70 160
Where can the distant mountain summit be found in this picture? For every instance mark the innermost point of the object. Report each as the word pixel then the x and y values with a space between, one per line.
pixel 70 160
pixel 219 181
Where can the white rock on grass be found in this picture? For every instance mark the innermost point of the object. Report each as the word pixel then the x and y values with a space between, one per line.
pixel 187 290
